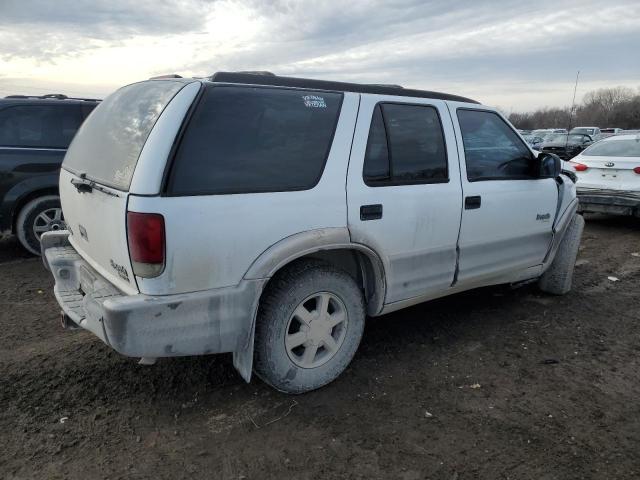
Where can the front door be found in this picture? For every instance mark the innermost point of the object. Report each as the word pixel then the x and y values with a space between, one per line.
pixel 508 212
pixel 404 194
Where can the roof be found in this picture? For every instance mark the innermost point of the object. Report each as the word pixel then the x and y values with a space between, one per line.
pixel 268 79
pixel 51 99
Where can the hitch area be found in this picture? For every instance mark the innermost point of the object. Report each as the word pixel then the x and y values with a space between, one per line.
pixel 67 323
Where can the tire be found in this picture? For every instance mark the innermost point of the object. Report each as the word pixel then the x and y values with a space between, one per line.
pixel 558 277
pixel 32 216
pixel 306 287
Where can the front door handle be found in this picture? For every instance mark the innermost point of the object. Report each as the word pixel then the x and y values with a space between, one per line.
pixel 472 203
pixel 371 212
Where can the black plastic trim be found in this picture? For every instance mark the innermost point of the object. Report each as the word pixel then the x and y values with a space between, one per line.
pixel 306 83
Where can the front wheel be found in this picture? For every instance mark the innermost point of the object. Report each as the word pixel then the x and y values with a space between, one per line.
pixel 309 326
pixel 40 215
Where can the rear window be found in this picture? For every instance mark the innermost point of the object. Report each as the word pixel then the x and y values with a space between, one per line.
pixel 39 126
pixel 255 139
pixel 109 143
pixel 615 148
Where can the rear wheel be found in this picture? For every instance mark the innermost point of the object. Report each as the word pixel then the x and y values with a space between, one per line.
pixel 40 215
pixel 309 327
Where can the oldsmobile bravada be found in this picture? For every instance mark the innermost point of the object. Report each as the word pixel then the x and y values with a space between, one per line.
pixel 268 216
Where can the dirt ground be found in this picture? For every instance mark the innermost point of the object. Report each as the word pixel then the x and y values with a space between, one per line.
pixel 493 384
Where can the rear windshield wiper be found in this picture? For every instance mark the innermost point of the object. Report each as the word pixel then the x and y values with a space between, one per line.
pixel 87 186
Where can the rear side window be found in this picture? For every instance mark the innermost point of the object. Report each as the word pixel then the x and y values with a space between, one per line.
pixel 39 126
pixel 109 143
pixel 247 139
pixel 405 146
pixel 493 151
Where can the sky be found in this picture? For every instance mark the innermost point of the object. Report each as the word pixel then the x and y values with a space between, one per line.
pixel 512 54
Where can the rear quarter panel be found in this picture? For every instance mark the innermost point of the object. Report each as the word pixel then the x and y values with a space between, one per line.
pixel 212 240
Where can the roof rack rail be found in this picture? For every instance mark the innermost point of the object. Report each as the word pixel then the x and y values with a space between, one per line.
pixel 54 96
pixel 268 79
pixel 168 75
pixel 258 72
pixel 386 85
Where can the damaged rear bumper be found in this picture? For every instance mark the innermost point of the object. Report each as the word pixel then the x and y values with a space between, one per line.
pixel 213 321
pixel 614 202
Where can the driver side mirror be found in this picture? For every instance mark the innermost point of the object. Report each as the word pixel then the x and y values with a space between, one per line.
pixel 548 165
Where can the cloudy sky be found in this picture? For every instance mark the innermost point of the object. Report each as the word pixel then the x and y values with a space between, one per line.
pixel 513 54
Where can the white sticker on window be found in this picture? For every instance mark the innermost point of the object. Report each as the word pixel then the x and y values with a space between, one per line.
pixel 314 101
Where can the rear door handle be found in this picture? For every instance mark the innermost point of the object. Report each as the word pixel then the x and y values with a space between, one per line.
pixel 472 203
pixel 371 212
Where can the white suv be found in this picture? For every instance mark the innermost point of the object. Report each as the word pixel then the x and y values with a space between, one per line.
pixel 267 216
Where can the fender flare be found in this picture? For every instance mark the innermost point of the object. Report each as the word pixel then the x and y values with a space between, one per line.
pixel 296 246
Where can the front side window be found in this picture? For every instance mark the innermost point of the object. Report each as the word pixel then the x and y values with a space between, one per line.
pixel 405 146
pixel 255 139
pixel 39 126
pixel 493 151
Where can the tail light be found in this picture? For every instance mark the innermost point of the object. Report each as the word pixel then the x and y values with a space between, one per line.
pixel 145 234
pixel 637 170
pixel 579 167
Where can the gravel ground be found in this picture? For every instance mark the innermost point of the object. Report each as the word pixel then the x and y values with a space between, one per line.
pixel 494 384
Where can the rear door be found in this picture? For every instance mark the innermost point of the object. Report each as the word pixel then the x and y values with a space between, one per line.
pixel 98 170
pixel 404 194
pixel 508 213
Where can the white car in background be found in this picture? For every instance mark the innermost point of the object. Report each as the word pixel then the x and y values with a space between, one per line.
pixel 593 132
pixel 608 174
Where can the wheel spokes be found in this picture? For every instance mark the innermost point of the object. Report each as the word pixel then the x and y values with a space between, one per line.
pixel 303 315
pixel 295 340
pixel 309 354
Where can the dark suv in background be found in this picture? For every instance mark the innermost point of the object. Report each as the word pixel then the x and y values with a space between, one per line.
pixel 34 135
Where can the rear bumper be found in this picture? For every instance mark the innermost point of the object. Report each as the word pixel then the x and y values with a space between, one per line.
pixel 609 201
pixel 213 321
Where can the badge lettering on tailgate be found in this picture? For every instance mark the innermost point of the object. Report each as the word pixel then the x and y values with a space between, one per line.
pixel 122 272
pixel 544 217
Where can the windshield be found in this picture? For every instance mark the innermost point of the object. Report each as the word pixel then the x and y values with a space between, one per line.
pixel 564 138
pixel 615 148
pixel 108 144
pixel 585 131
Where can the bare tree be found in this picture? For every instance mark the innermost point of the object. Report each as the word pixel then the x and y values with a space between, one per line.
pixel 606 107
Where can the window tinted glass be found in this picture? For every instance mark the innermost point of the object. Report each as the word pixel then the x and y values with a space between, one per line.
pixel 39 126
pixel 492 149
pixel 376 164
pixel 416 151
pixel 243 139
pixel 109 143
pixel 615 148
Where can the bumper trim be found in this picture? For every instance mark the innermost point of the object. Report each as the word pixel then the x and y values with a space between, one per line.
pixel 613 202
pixel 212 321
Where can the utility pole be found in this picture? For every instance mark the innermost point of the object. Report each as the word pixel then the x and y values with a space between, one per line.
pixel 573 102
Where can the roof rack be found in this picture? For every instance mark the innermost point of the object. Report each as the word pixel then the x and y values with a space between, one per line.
pixel 269 79
pixel 53 96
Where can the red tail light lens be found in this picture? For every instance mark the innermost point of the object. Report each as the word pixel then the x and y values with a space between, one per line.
pixel 579 167
pixel 637 170
pixel 145 232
